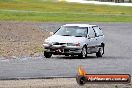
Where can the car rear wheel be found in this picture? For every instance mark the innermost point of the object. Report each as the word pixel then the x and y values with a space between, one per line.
pixel 100 52
pixel 47 55
pixel 83 53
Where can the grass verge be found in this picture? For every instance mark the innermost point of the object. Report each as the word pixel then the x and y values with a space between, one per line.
pixel 41 11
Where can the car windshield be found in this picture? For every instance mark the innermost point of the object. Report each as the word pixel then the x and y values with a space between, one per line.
pixel 72 31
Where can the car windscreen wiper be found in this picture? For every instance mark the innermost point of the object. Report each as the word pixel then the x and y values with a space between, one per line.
pixel 66 35
pixel 78 36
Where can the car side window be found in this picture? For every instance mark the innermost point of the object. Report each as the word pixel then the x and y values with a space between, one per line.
pixel 91 32
pixel 98 31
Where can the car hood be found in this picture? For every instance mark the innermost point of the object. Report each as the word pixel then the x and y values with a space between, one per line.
pixel 64 39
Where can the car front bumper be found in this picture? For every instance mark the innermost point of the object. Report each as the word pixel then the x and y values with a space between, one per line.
pixel 62 50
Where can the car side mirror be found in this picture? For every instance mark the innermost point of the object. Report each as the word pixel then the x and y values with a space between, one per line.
pixel 51 33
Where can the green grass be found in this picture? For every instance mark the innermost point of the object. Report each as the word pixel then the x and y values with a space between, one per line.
pixel 39 10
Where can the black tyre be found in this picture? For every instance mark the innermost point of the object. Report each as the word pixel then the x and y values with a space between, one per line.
pixel 100 52
pixel 83 54
pixel 47 55
pixel 81 80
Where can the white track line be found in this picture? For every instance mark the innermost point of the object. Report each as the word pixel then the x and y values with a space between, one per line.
pixel 99 3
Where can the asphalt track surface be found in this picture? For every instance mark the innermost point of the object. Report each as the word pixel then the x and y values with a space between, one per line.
pixel 117 57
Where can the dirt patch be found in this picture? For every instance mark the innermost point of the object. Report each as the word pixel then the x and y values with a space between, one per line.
pixel 21 39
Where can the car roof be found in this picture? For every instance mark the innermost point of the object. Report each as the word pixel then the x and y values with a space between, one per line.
pixel 79 25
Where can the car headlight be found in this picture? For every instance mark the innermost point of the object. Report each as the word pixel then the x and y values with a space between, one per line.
pixel 46 41
pixel 73 44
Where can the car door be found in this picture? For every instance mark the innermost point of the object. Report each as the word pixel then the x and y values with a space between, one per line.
pixel 91 41
pixel 99 35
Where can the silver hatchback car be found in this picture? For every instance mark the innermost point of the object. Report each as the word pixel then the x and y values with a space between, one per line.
pixel 75 39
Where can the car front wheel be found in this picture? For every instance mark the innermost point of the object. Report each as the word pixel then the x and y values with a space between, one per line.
pixel 47 55
pixel 83 53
